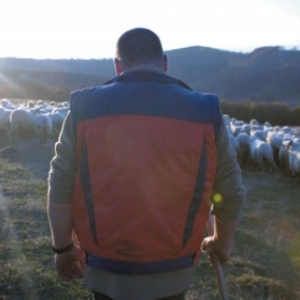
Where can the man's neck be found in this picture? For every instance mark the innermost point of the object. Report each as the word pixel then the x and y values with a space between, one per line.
pixel 144 68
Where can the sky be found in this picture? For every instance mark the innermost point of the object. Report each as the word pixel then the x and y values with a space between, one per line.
pixel 89 29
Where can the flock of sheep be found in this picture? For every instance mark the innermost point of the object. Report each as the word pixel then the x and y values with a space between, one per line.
pixel 39 119
pixel 269 148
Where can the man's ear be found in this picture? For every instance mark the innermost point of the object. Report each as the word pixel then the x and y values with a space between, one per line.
pixel 118 66
pixel 165 63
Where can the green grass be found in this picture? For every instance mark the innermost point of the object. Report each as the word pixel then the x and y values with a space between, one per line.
pixel 265 259
pixel 27 266
pixel 265 262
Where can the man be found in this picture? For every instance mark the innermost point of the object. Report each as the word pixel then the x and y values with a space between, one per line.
pixel 135 166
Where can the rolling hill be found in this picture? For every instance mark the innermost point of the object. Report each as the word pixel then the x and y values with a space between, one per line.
pixel 267 74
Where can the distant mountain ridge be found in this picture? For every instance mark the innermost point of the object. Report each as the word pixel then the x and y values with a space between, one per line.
pixel 267 74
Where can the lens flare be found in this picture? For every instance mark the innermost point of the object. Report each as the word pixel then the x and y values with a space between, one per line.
pixel 217 198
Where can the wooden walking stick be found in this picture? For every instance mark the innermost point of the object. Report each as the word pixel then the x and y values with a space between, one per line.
pixel 216 262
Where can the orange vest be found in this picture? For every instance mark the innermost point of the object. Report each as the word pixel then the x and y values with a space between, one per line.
pixel 144 180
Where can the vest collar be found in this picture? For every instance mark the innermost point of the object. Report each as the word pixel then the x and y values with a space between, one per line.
pixel 143 75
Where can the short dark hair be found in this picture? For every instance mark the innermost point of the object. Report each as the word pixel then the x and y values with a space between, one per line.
pixel 139 45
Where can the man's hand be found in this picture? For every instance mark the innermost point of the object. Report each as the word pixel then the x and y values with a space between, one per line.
pixel 213 246
pixel 70 265
pixel 220 240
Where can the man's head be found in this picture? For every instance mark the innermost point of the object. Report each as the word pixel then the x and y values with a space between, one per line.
pixel 139 47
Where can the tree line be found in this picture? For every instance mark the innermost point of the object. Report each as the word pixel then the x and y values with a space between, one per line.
pixel 57 87
pixel 276 113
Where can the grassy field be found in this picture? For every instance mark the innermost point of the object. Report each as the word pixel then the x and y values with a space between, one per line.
pixel 265 262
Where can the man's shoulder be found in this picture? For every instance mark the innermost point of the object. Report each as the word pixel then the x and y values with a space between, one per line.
pixel 86 92
pixel 209 98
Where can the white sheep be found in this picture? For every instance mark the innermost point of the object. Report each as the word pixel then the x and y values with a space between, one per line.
pixel 21 123
pixel 253 122
pixel 267 126
pixel 4 119
pixel 294 157
pixel 236 127
pixel 261 154
pixel 244 144
pixel 258 131
pixel 235 145
pixel 7 104
pixel 226 119
pixel 296 134
pixel 246 128
pixel 294 162
pixel 42 126
pixel 275 140
pixel 30 104
pixel 283 156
